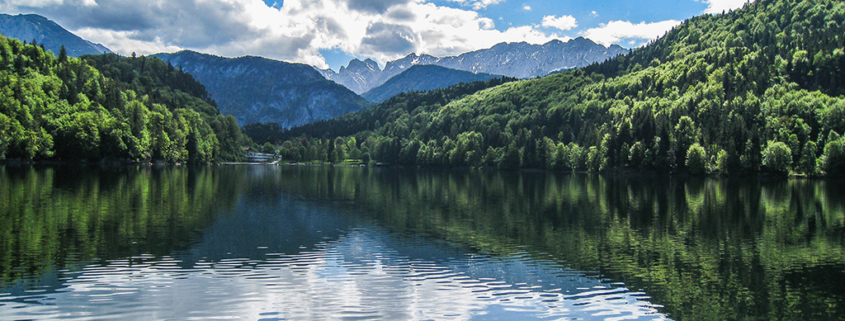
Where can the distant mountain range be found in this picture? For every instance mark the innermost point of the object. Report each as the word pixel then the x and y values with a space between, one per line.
pixel 257 90
pixel 44 31
pixel 519 60
pixel 423 78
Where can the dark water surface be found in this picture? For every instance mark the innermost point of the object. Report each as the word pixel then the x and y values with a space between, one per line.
pixel 276 243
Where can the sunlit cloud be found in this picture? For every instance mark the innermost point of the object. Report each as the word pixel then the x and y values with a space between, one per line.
pixel 295 31
pixel 123 42
pixel 562 22
pixel 615 31
pixel 478 4
pixel 300 30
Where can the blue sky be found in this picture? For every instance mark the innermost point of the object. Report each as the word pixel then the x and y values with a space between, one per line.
pixel 589 14
pixel 328 33
pixel 513 13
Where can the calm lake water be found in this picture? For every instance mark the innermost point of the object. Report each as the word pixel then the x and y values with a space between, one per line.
pixel 276 243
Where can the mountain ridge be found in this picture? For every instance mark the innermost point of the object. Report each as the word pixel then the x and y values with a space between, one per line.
pixel 518 60
pixel 256 89
pixel 423 78
pixel 29 27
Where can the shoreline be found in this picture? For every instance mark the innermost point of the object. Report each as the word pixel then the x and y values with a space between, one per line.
pixel 630 173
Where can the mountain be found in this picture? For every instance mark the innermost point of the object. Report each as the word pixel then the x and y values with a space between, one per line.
pixel 141 109
pixel 523 60
pixel 422 78
pixel 361 124
pixel 256 90
pixel 358 76
pixel 519 60
pixel 753 90
pixel 46 32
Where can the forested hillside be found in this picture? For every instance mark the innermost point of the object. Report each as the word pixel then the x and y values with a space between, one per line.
pixel 423 78
pixel 107 107
pixel 757 89
pixel 312 142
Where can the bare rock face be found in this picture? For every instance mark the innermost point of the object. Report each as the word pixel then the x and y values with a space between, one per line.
pixel 519 60
pixel 257 90
pixel 46 32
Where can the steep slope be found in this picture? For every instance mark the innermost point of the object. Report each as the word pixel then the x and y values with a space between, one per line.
pixel 519 60
pixel 136 109
pixel 362 123
pixel 757 89
pixel 255 89
pixel 358 76
pixel 422 78
pixel 393 68
pixel 46 32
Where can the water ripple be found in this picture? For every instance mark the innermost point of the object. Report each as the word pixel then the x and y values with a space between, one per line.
pixel 363 275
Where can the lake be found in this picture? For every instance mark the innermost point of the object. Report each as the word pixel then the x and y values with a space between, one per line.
pixel 277 243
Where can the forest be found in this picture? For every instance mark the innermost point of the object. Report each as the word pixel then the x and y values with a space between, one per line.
pixel 753 90
pixel 107 107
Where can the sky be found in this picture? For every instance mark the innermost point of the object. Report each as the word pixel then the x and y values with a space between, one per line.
pixel 329 33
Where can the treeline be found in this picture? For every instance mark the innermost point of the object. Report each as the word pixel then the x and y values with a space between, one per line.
pixel 752 90
pixel 372 118
pixel 107 107
pixel 351 137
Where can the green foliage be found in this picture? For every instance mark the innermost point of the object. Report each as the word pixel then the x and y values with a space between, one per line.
pixel 729 82
pixel 722 161
pixel 263 132
pixel 832 161
pixel 696 159
pixel 135 108
pixel 268 148
pixel 5 124
pixel 685 137
pixel 777 157
pixel 807 164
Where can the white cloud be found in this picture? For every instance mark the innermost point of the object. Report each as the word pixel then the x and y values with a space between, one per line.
pixel 478 4
pixel 615 31
pixel 297 31
pixel 8 5
pixel 526 8
pixel 562 22
pixel 595 14
pixel 123 42
pixel 445 31
pixel 717 6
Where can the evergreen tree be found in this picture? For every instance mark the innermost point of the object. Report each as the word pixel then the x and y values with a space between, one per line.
pixel 62 54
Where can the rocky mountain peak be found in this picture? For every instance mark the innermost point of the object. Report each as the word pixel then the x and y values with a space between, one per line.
pixel 517 59
pixel 358 66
